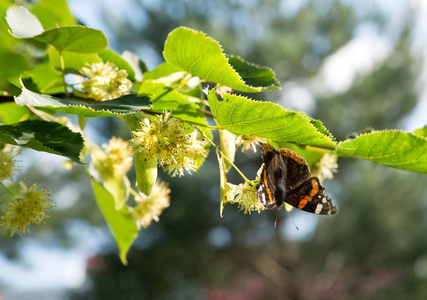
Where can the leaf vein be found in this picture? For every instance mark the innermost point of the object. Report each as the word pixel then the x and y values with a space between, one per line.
pixel 393 154
pixel 222 75
pixel 231 113
pixel 246 112
pixel 385 148
pixel 209 72
pixel 263 120
pixel 183 57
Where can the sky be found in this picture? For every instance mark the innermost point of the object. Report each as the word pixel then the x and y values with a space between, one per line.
pixel 338 72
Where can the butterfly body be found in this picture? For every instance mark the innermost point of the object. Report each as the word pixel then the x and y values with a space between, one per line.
pixel 285 177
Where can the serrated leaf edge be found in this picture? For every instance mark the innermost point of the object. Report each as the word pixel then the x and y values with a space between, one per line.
pixel 257 67
pixel 331 136
pixel 33 140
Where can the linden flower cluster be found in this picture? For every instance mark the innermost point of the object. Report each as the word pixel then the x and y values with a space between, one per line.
pixel 31 207
pixel 105 81
pixel 119 154
pixel 169 141
pixel 149 208
pixel 244 195
pixel 222 89
pixel 7 162
pixel 325 168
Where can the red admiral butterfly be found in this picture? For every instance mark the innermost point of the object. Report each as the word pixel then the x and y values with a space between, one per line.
pixel 285 177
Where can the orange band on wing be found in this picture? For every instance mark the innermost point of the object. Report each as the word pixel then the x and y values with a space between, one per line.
pixel 291 154
pixel 315 186
pixel 303 202
pixel 267 187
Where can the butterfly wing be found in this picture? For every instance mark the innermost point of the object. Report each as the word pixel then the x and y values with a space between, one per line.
pixel 285 177
pixel 297 170
pixel 272 186
pixel 310 197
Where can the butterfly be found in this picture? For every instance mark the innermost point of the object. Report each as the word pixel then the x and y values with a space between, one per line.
pixel 285 177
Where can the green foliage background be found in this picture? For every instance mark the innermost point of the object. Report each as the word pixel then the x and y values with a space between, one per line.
pixel 375 248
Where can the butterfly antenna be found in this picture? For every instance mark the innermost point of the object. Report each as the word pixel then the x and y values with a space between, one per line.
pixel 291 220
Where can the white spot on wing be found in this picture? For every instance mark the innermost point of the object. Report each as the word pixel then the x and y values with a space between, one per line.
pixel 318 208
pixel 263 199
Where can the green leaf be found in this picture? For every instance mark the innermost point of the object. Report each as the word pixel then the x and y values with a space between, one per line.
pixel 4 27
pixel 116 107
pixel 240 115
pixel 23 23
pixel 75 39
pixel 164 97
pixel 46 79
pixel 421 131
pixel 44 136
pixel 72 38
pixel 53 12
pixel 7 88
pixel 201 56
pixel 162 70
pixel 320 127
pixel 121 224
pixel 73 61
pixel 110 56
pixel 253 74
pixel 12 113
pixel 11 63
pixel 394 148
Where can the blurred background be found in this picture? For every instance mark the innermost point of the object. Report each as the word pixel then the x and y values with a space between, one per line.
pixel 351 64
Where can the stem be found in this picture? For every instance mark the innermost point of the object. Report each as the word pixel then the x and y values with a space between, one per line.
pixel 234 166
pixel 153 113
pixel 7 189
pixel 224 156
pixel 134 193
pixel 61 59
